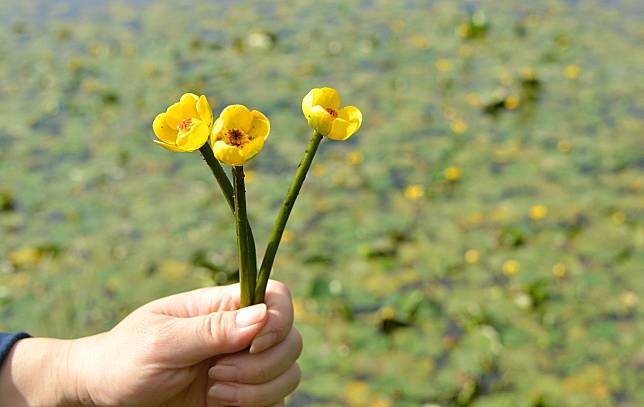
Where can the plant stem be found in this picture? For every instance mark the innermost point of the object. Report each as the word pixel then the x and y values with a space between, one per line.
pixel 227 189
pixel 282 217
pixel 247 276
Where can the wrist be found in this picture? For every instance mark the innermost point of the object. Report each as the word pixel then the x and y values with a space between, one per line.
pixel 38 372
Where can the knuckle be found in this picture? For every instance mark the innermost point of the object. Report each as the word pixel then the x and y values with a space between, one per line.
pixel 280 288
pixel 298 342
pixel 249 397
pixel 216 328
pixel 297 377
pixel 261 374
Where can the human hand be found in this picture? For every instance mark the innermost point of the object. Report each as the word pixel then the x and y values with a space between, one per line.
pixel 161 355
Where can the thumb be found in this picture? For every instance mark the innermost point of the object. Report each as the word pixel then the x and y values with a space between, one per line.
pixel 202 337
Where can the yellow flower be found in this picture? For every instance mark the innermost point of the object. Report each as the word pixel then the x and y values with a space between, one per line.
pixel 511 267
pixel 512 102
pixel 186 125
pixel 564 146
pixel 538 212
pixel 239 134
pixel 355 157
pixel 452 174
pixel 618 217
pixel 287 236
pixel 443 65
pixel 559 270
pixel 572 71
pixel 459 126
pixel 321 107
pixel 629 299
pixel 473 99
pixel 413 192
pixel 472 256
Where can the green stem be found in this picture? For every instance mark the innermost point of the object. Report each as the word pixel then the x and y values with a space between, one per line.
pixel 227 189
pixel 247 277
pixel 282 217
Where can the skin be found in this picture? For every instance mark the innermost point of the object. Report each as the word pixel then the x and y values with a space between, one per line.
pixel 188 349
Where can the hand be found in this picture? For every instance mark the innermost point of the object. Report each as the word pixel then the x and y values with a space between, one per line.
pixel 162 354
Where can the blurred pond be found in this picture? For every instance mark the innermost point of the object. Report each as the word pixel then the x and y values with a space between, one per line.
pixel 477 243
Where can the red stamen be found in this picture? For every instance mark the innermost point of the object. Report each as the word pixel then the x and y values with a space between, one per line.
pixel 236 137
pixel 332 112
pixel 185 125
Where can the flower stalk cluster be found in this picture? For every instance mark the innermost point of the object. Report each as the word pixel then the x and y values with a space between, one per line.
pixel 235 138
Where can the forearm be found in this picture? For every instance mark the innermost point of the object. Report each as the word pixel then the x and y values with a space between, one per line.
pixel 39 372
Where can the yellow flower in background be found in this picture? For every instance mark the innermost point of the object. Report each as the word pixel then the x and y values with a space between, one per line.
pixel 538 212
pixel 355 157
pixel 25 257
pixel 249 176
pixel 186 125
pixel 559 270
pixel 459 126
pixel 512 102
pixel 618 218
pixel 443 65
pixel 287 236
pixel 239 134
pixel 414 192
pixel 319 170
pixel 321 107
pixel 572 71
pixel 629 299
pixel 472 256
pixel 564 146
pixel 511 267
pixel 452 174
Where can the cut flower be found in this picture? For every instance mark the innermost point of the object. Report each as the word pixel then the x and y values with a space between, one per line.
pixel 321 107
pixel 239 134
pixel 184 126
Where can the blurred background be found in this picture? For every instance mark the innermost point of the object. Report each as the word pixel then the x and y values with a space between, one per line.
pixel 477 243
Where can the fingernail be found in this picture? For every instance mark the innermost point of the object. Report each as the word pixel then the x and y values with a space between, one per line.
pixel 263 342
pixel 250 315
pixel 224 392
pixel 224 373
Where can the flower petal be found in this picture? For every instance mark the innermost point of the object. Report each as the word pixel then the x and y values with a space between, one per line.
pixel 320 120
pixel 342 129
pixel 252 148
pixel 228 154
pixel 189 98
pixel 237 116
pixel 327 98
pixel 161 129
pixel 189 104
pixel 174 115
pixel 204 111
pixel 307 103
pixel 351 114
pixel 195 138
pixel 260 126
pixel 217 129
pixel 170 147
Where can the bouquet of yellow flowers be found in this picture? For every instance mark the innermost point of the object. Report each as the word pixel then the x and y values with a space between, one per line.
pixel 235 138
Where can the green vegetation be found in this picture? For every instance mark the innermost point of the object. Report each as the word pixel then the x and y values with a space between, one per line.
pixel 477 243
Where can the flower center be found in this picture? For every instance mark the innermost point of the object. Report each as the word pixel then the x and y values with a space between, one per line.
pixel 236 137
pixel 185 125
pixel 332 112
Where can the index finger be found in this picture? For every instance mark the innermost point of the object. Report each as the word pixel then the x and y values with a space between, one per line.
pixel 280 317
